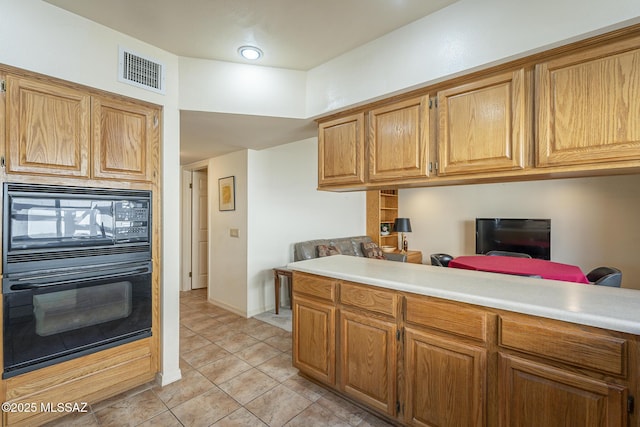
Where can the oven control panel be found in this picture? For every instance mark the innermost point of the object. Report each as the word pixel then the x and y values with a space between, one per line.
pixel 132 220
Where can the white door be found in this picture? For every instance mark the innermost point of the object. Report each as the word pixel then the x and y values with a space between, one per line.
pixel 199 232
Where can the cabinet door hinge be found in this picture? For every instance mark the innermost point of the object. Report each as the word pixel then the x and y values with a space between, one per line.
pixel 397 407
pixel 398 335
pixel 190 185
pixel 190 274
pixel 630 404
pixel 2 162
pixel 3 86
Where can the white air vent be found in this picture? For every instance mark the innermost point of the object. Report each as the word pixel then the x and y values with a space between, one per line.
pixel 139 71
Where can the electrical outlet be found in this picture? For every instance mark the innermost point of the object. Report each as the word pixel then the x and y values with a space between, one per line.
pixel 233 232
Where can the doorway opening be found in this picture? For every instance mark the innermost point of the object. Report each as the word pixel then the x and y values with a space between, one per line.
pixel 195 229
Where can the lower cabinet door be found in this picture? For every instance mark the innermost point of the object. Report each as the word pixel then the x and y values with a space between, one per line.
pixel 368 360
pixel 533 394
pixel 445 381
pixel 314 339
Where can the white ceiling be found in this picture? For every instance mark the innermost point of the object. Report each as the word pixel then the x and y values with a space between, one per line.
pixel 294 34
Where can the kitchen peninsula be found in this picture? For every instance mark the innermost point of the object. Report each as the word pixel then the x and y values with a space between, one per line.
pixel 426 345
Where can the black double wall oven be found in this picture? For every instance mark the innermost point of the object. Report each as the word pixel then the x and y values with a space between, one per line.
pixel 76 272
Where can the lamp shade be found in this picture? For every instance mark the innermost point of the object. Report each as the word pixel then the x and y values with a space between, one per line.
pixel 402 225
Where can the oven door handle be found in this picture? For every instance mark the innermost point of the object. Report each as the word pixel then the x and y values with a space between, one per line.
pixel 26 286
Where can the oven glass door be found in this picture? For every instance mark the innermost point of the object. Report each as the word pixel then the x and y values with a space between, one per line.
pixel 52 222
pixel 51 319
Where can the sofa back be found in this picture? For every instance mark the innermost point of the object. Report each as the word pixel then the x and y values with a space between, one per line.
pixel 347 245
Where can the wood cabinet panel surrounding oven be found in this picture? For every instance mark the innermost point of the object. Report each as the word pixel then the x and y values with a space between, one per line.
pixel 60 133
pixel 123 134
pixel 57 130
pixel 48 128
pixel 589 106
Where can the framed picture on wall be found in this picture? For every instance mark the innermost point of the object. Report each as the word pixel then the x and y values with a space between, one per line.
pixel 227 193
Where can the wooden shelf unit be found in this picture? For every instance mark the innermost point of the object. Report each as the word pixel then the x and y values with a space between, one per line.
pixel 382 208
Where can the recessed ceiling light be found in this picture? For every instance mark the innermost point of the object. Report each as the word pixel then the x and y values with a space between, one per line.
pixel 250 52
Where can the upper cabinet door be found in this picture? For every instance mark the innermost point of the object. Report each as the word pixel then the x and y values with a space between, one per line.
pixel 398 140
pixel 341 151
pixel 484 125
pixel 48 128
pixel 589 106
pixel 124 135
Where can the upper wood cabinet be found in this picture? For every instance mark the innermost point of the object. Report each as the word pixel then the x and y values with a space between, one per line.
pixel 48 128
pixel 57 130
pixel 483 125
pixel 398 140
pixel 341 151
pixel 123 135
pixel 588 107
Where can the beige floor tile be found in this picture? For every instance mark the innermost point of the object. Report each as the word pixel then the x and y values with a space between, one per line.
pixel 76 419
pixel 278 405
pixel 204 324
pixel 130 412
pixel 305 388
pixel 228 317
pixel 317 416
pixel 222 370
pixel 204 355
pixel 122 396
pixel 192 384
pixel 264 331
pixel 258 353
pixel 248 385
pixel 165 419
pixel 192 321
pixel 343 409
pixel 280 341
pixel 205 409
pixel 194 342
pixel 371 420
pixel 240 418
pixel 280 368
pixel 220 333
pixel 236 343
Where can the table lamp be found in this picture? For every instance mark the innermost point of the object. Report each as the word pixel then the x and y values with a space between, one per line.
pixel 403 225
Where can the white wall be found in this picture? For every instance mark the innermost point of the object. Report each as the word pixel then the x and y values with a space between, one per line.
pixel 284 208
pixel 460 37
pixel 593 220
pixel 228 255
pixel 240 88
pixel 37 36
pixel 276 205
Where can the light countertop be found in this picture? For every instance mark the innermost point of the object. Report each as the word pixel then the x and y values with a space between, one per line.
pixel 616 309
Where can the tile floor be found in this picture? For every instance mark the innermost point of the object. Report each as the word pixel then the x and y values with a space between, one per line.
pixel 235 372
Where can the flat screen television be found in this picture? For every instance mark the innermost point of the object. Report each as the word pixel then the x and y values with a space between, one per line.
pixel 529 236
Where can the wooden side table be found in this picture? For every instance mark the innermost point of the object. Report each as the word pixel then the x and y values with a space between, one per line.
pixel 414 257
pixel 277 272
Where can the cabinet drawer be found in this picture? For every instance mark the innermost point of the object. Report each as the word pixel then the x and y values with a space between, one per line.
pixel 564 342
pixel 369 298
pixel 449 317
pixel 320 287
